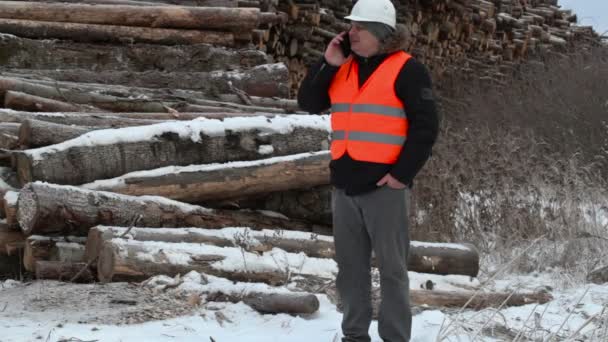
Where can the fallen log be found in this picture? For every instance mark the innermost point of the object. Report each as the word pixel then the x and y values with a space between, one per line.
pixel 239 19
pixel 107 102
pixel 453 299
pixel 9 236
pixel 113 120
pixel 271 303
pixel 44 248
pixel 126 260
pixel 31 103
pixel 36 133
pixel 92 33
pixel 197 183
pixel 99 154
pixel 287 104
pixel 97 120
pixel 251 241
pixel 47 208
pixel 464 257
pixel 64 271
pixel 23 52
pixel 268 80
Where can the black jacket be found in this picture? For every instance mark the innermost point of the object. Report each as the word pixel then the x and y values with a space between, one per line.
pixel 414 89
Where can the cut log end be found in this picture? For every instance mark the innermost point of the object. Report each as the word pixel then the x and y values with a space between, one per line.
pixel 27 217
pixel 105 263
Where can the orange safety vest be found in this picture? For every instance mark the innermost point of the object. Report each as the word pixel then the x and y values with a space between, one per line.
pixel 370 122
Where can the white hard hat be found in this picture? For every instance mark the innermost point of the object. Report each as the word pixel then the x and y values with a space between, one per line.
pixel 381 11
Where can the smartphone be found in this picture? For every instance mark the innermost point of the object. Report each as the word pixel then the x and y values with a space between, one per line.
pixel 345 45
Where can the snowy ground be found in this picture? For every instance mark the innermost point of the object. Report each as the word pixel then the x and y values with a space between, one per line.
pixel 52 311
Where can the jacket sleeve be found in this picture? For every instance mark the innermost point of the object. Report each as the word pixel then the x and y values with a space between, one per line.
pixel 313 95
pixel 413 86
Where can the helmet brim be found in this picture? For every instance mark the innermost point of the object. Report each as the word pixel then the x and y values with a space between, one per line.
pixel 357 18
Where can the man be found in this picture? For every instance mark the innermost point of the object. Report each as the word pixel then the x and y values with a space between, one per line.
pixel 384 124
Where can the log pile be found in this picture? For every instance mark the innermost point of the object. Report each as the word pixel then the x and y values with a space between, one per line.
pixel 146 129
pixel 480 36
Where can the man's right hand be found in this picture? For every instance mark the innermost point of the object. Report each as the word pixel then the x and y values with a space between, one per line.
pixel 333 53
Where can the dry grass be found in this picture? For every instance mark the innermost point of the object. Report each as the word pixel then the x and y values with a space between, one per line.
pixel 522 161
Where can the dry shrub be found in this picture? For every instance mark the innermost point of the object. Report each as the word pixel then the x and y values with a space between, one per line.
pixel 521 161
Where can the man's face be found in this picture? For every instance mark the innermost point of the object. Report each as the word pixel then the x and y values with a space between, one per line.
pixel 363 42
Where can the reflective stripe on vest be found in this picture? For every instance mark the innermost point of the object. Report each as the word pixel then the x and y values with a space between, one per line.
pixel 368 122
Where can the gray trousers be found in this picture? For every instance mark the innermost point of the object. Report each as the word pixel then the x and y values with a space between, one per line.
pixel 376 220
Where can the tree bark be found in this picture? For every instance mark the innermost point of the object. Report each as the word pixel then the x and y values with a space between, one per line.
pixel 21 101
pixel 36 133
pixel 92 33
pixel 96 157
pixel 46 208
pixel 64 271
pixel 268 80
pixel 45 248
pixel 24 53
pixel 241 19
pixel 122 260
pixel 8 236
pixel 272 303
pixel 194 184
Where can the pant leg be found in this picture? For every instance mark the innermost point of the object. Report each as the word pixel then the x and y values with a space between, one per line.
pixel 385 213
pixel 353 253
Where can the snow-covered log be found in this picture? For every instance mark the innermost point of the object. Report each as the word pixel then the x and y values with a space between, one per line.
pixel 47 208
pixel 197 183
pixel 129 260
pixel 46 248
pixel 437 258
pixel 253 241
pixel 64 271
pixel 241 19
pixel 109 153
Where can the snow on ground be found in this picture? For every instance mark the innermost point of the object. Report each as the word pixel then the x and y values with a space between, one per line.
pixel 238 322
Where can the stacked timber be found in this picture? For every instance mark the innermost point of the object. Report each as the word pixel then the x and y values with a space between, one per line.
pixel 171 37
pixel 137 134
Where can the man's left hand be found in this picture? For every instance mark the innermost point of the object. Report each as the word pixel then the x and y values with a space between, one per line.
pixel 391 182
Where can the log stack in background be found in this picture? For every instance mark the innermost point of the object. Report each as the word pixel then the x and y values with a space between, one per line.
pixel 480 36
